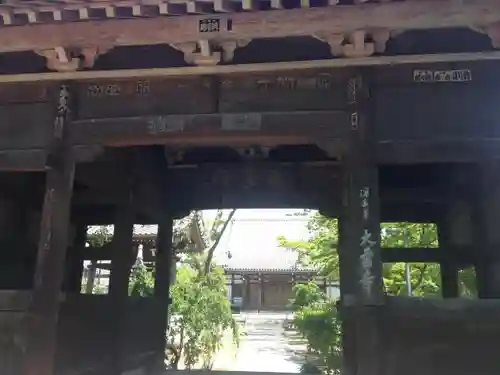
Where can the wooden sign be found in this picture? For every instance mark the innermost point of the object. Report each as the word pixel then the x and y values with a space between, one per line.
pixel 166 124
pixel 209 25
pixel 431 76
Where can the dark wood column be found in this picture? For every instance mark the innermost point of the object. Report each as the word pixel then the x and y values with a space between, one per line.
pixel 163 276
pixel 359 243
pixel 121 264
pixel 74 259
pixel 53 244
pixel 486 231
pixel 448 267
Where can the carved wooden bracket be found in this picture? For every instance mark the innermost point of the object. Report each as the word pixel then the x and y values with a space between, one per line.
pixel 380 38
pixel 209 53
pixel 335 41
pixel 357 45
pixel 62 59
pixel 493 31
pixel 360 43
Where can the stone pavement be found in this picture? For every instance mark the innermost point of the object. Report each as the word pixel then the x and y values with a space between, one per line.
pixel 266 346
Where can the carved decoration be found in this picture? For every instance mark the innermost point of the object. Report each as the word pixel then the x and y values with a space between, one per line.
pixel 209 53
pixel 380 38
pixel 62 59
pixel 335 42
pixel 493 32
pixel 356 44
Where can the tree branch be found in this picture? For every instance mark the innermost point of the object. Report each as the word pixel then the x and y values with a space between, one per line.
pixel 420 278
pixel 211 251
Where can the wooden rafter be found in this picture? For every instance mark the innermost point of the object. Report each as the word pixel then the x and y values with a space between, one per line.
pixel 352 22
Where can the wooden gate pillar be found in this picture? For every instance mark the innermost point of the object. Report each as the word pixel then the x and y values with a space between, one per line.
pixel 46 297
pixel 486 231
pixel 121 264
pixel 74 259
pixel 163 276
pixel 453 230
pixel 359 243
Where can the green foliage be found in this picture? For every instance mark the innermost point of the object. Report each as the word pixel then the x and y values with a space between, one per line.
pixel 200 312
pixel 99 236
pixel 320 251
pixel 142 281
pixel 305 295
pixel 316 319
pixel 203 314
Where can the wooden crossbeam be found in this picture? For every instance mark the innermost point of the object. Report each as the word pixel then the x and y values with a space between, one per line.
pixel 223 70
pixel 394 16
pixel 215 129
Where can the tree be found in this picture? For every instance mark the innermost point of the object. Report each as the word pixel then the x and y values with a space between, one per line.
pixel 96 237
pixel 200 312
pixel 320 251
pixel 316 318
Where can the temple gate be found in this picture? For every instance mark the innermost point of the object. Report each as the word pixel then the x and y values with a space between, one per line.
pixel 119 113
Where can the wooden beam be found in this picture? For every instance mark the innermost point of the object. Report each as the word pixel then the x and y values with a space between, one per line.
pixel 394 16
pixel 163 276
pixel 74 260
pixel 106 181
pixel 221 70
pixel 446 150
pixel 49 274
pixel 361 283
pixel 32 160
pixel 215 129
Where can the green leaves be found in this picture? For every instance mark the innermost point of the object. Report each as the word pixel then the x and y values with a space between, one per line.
pixel 200 312
pixel 203 314
pixel 316 319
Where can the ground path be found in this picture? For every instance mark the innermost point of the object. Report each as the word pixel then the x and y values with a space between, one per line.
pixel 266 347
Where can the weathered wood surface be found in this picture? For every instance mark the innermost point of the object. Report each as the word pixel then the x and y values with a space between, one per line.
pixel 53 243
pixel 84 337
pixel 313 90
pixel 223 70
pixel 398 16
pixel 14 300
pixel 249 183
pixel 214 129
pixel 458 124
pixel 136 97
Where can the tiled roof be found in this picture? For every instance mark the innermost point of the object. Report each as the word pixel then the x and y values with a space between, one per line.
pixel 145 230
pixel 272 260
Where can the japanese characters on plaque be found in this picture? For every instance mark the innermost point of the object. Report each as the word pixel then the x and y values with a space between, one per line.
pixel 140 89
pixel 166 124
pixel 62 111
pixel 320 82
pixel 437 76
pixel 352 88
pixel 214 25
pixel 367 243
pixel 209 25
